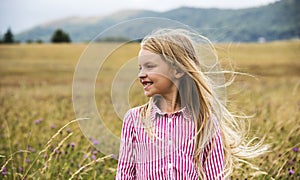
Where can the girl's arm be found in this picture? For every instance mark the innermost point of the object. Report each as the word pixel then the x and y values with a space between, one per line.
pixel 126 164
pixel 214 161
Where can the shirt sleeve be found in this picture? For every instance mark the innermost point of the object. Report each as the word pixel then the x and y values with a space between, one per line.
pixel 213 161
pixel 126 164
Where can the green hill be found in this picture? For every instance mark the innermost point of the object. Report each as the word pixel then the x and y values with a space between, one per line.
pixel 276 21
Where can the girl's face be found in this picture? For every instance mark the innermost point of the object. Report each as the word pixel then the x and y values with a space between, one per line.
pixel 155 75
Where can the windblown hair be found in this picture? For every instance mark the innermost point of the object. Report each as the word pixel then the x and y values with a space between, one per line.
pixel 198 94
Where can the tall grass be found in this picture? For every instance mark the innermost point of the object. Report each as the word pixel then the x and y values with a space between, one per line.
pixel 39 140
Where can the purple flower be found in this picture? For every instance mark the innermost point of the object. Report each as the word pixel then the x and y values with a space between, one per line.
pixel 95 152
pixel 95 142
pixel 52 126
pixel 38 121
pixel 72 144
pixel 85 156
pixel 68 130
pixel 291 172
pixel 27 160
pixel 93 157
pixel 295 149
pixel 29 148
pixel 4 171
pixel 114 156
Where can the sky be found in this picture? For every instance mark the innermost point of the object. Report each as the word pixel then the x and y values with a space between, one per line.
pixel 20 15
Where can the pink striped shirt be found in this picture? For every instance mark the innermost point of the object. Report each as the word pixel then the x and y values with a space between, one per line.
pixel 170 154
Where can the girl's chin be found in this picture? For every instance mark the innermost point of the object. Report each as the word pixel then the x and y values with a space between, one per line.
pixel 148 94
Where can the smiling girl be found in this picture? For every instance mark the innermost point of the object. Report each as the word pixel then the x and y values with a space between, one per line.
pixel 184 131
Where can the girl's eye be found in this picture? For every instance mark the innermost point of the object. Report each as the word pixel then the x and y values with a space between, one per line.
pixel 149 66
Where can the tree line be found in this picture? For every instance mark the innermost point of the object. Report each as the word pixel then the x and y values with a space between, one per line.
pixel 59 36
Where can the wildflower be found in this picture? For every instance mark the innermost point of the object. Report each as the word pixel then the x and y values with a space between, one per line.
pixel 72 144
pixel 93 157
pixel 52 126
pixel 114 156
pixel 85 156
pixel 295 149
pixel 57 151
pixel 29 148
pixel 38 121
pixel 21 169
pixel 291 172
pixel 95 152
pixel 95 142
pixel 4 171
pixel 27 160
pixel 69 130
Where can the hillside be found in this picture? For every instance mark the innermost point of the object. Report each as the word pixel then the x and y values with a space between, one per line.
pixel 276 21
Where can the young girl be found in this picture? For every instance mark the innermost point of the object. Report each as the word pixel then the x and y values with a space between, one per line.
pixel 184 131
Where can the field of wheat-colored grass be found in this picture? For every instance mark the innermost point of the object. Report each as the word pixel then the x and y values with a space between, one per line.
pixel 39 140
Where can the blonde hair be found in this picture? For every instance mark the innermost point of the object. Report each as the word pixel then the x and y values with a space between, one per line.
pixel 197 93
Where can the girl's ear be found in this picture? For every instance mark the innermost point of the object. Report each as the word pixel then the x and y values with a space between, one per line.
pixel 178 73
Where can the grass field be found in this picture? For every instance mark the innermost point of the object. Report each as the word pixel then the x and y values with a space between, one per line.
pixel 36 102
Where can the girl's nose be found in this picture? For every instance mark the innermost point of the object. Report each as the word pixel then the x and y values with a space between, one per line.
pixel 142 74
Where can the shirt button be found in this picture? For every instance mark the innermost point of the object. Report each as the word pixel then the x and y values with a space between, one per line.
pixel 169 120
pixel 170 142
pixel 170 165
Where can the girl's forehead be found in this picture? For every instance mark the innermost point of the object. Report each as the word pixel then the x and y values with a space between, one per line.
pixel 144 52
pixel 146 55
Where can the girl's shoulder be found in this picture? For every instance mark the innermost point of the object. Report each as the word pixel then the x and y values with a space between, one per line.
pixel 136 112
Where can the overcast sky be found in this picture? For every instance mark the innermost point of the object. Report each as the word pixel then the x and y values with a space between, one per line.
pixel 20 15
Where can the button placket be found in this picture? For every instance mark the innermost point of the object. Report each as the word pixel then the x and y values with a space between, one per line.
pixel 169 120
pixel 170 165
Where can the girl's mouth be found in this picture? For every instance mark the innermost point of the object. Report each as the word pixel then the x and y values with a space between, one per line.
pixel 146 84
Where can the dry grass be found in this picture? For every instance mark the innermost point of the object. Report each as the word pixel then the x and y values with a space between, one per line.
pixel 36 100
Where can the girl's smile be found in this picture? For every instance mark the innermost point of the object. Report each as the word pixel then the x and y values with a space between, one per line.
pixel 146 84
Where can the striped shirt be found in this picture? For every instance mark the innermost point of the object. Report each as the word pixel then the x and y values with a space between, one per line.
pixel 169 155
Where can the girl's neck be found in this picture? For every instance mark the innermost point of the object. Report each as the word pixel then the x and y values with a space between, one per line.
pixel 169 105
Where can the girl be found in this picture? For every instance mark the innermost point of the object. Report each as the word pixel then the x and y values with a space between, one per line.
pixel 184 131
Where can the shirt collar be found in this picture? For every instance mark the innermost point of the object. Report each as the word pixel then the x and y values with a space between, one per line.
pixel 156 111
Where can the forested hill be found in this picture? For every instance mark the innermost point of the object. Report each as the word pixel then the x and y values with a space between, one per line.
pixel 276 21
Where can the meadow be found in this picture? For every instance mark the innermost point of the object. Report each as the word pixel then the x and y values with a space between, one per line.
pixel 40 138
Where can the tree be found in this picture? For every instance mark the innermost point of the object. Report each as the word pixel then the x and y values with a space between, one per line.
pixel 8 37
pixel 39 41
pixel 59 36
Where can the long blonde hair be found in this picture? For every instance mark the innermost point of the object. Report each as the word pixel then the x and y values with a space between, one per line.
pixel 197 93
